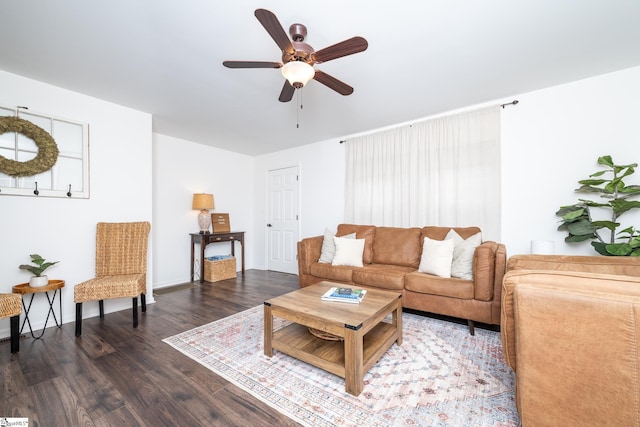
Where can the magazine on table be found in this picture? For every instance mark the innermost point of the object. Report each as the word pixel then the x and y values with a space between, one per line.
pixel 353 296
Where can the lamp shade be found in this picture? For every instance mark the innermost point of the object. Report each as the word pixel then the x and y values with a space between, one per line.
pixel 202 201
pixel 298 73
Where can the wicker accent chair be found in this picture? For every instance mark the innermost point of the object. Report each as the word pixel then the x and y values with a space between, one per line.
pixel 121 268
pixel 11 306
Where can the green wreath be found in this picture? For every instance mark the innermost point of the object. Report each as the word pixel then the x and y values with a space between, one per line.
pixel 47 148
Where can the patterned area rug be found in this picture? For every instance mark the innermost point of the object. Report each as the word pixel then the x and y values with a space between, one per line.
pixel 439 376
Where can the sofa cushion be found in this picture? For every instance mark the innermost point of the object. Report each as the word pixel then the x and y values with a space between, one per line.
pixel 440 233
pixel 437 256
pixel 463 251
pixel 397 246
pixel 329 247
pixel 434 285
pixel 337 273
pixel 366 232
pixel 381 276
pixel 348 251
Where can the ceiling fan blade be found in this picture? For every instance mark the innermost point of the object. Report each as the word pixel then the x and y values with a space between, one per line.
pixel 251 64
pixel 270 23
pixel 287 92
pixel 333 83
pixel 338 50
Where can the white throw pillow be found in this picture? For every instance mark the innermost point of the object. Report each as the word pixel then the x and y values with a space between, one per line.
pixel 436 257
pixel 348 251
pixel 463 251
pixel 328 246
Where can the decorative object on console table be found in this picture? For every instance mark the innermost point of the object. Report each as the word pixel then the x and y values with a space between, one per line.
pixel 204 239
pixel 219 267
pixel 203 202
pixel 220 222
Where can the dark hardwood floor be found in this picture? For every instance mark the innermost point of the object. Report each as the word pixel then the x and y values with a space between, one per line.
pixel 117 375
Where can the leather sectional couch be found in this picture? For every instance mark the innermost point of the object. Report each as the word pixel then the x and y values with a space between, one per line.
pixel 571 332
pixel 391 258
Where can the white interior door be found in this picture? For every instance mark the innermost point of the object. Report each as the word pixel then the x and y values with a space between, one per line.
pixel 283 222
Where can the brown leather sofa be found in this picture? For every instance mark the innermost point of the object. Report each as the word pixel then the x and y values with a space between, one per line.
pixel 390 261
pixel 570 331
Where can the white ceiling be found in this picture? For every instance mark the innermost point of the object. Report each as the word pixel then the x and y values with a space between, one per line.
pixel 424 57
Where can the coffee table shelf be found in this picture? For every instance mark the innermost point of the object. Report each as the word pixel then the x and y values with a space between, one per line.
pixel 296 341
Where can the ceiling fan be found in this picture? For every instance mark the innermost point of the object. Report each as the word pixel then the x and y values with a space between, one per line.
pixel 298 58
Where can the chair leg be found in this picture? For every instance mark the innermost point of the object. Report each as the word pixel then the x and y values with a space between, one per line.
pixel 78 319
pixel 135 312
pixel 15 333
pixel 143 302
pixel 472 325
pixel 101 305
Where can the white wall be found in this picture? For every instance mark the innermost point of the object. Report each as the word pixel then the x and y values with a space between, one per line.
pixel 64 229
pixel 321 190
pixel 551 140
pixel 180 169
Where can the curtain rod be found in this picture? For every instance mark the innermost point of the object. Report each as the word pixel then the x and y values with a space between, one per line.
pixel 514 102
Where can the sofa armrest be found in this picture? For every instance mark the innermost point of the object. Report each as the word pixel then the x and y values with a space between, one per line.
pixel 627 266
pixel 577 347
pixel 489 262
pixel 309 250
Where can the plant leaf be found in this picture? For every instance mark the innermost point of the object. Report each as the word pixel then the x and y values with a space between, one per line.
pixel 592 181
pixel 605 160
pixel 621 206
pixel 575 239
pixel 605 224
pixel 600 248
pixel 618 249
pixel 581 228
pixel 573 215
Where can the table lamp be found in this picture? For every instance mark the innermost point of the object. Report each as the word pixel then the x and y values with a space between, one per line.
pixel 203 202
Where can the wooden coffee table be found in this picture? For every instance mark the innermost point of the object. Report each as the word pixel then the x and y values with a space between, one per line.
pixel 361 335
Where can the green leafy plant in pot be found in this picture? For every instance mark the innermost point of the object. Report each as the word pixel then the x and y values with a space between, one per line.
pixel 577 219
pixel 37 268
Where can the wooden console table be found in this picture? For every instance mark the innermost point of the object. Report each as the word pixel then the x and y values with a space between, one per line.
pixel 205 239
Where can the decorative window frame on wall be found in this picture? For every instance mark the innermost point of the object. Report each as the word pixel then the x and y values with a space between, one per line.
pixel 68 178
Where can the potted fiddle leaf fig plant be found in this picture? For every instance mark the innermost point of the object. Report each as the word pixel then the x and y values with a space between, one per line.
pixel 578 219
pixel 38 266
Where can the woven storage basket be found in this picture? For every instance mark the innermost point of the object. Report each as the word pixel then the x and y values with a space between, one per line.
pixel 219 269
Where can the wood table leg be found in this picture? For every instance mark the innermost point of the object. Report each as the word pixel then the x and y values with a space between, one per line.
pixel 397 321
pixel 268 331
pixel 353 361
pixel 203 246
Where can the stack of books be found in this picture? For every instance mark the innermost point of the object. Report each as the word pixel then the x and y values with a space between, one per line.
pixel 353 296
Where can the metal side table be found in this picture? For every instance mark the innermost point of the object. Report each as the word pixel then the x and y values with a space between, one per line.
pixel 53 285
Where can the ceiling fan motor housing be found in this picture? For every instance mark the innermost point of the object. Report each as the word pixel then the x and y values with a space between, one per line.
pixel 298 58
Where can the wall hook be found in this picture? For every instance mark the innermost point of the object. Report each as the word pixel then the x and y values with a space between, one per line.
pixel 36 192
pixel 69 192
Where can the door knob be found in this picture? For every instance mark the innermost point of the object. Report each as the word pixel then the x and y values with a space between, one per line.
pixel 269 225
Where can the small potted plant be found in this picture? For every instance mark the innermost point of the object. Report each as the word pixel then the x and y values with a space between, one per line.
pixel 40 266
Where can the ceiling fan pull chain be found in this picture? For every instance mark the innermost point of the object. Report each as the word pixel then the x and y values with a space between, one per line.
pixel 299 96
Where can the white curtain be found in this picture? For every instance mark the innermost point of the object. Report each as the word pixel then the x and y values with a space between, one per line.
pixel 444 172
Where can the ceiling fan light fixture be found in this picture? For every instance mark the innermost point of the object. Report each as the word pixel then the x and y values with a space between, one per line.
pixel 298 73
